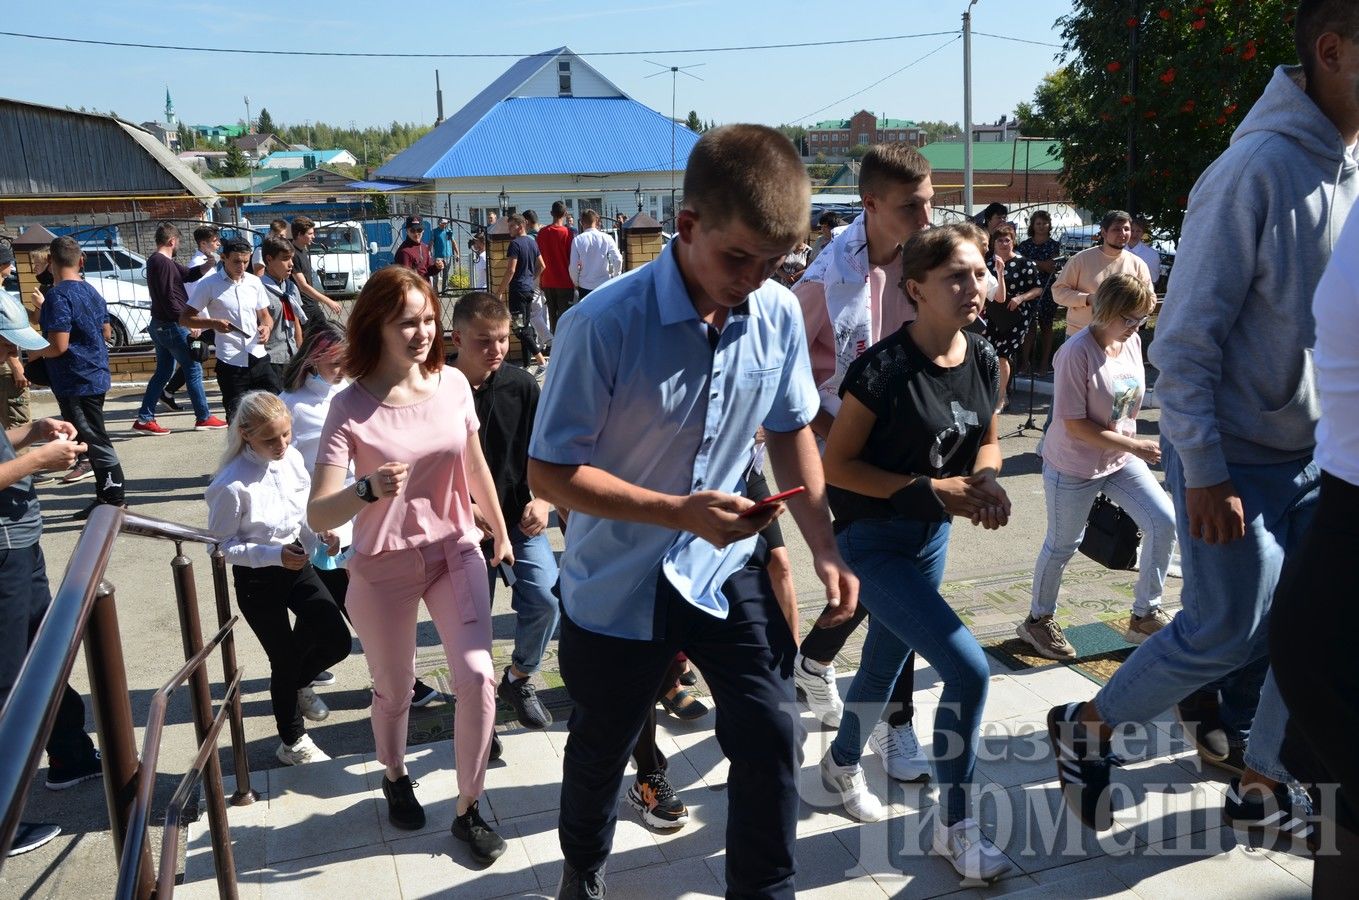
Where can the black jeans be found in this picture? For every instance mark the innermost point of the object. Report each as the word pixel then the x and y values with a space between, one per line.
pixel 24 598
pixel 235 381
pixel 559 300
pixel 1311 648
pixel 822 644
pixel 747 660
pixel 87 415
pixel 521 311
pixel 645 754
pixel 297 653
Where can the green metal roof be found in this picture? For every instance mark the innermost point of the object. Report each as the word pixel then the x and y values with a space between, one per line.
pixel 996 156
pixel 882 123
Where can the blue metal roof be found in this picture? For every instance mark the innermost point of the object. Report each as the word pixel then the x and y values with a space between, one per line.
pixel 424 154
pixel 541 136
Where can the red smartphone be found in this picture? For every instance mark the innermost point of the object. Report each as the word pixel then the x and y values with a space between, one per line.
pixel 767 502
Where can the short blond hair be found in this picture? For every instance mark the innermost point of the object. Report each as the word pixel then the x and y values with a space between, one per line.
pixel 751 173
pixel 1121 297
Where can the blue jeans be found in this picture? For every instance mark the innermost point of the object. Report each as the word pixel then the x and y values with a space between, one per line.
pixel 900 564
pixel 172 346
pixel 535 606
pixel 1223 629
pixel 1069 499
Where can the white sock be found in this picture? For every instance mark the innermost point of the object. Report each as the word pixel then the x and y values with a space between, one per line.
pixel 513 678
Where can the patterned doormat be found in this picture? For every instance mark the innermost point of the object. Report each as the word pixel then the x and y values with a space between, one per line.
pixel 1100 650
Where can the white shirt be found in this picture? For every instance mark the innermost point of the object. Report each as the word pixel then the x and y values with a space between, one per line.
pixel 1148 255
pixel 256 507
pixel 309 405
pixel 238 302
pixel 479 272
pixel 594 258
pixel 1336 357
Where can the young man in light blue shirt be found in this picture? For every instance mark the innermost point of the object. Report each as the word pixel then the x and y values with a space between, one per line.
pixel 644 431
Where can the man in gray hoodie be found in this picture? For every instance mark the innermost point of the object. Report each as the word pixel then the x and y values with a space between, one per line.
pixel 1239 407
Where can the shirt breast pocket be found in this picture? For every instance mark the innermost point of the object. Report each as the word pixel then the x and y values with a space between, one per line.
pixel 755 378
pixel 758 386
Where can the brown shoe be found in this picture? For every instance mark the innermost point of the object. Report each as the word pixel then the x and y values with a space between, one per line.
pixel 1142 627
pixel 1045 636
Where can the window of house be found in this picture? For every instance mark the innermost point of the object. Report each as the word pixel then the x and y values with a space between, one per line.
pixel 863 139
pixel 563 78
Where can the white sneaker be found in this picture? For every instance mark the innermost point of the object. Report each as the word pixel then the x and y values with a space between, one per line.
pixel 972 854
pixel 303 752
pixel 312 706
pixel 823 699
pixel 900 752
pixel 1173 569
pixel 849 783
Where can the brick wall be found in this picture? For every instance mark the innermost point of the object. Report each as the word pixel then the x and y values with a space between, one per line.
pixel 135 368
pixel 642 248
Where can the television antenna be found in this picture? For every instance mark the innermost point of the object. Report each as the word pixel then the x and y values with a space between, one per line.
pixel 675 72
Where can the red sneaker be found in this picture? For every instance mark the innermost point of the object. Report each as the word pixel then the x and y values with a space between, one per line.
pixel 211 423
pixel 150 426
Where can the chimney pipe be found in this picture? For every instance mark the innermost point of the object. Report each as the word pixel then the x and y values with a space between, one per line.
pixel 438 99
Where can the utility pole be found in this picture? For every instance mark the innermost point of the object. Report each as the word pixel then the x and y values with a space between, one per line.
pixel 249 169
pixel 1132 114
pixel 967 109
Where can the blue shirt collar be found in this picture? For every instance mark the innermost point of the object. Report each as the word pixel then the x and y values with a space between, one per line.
pixel 672 295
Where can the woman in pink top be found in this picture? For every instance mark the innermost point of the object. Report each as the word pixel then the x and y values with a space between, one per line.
pixel 407 425
pixel 1091 447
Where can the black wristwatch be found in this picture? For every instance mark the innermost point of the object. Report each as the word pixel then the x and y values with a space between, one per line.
pixel 364 488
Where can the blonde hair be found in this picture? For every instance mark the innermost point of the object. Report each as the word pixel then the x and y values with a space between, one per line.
pixel 1121 296
pixel 255 409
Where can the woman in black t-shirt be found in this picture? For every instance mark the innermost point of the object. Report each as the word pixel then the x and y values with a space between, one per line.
pixel 913 446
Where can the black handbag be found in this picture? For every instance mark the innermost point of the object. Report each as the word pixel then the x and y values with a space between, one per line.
pixel 1111 536
pixel 35 370
pixel 200 348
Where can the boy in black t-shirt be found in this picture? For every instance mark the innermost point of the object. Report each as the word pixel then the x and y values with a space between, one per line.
pixel 523 263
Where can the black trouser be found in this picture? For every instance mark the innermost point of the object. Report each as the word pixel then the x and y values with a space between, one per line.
pixel 337 582
pixel 1311 648
pixel 24 598
pixel 581 293
pixel 234 381
pixel 747 660
pixel 87 415
pixel 645 754
pixel 822 644
pixel 297 652
pixel 521 314
pixel 559 300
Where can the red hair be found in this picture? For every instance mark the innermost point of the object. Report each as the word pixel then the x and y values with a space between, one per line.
pixel 381 301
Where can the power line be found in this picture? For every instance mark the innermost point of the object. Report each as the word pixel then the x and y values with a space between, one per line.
pixel 955 37
pixel 1006 37
pixel 375 55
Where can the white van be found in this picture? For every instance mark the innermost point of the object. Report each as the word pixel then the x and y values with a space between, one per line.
pixel 340 256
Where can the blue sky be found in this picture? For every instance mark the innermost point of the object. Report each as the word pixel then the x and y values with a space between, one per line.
pixel 772 86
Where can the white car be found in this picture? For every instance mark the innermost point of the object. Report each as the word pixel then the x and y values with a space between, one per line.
pixel 129 309
pixel 341 257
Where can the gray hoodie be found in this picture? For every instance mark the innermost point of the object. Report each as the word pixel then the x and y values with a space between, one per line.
pixel 1234 340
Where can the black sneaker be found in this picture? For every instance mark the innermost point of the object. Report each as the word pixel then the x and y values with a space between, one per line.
pixel 522 696
pixel 403 810
pixel 83 514
pixel 688 678
pixel 581 885
pixel 60 777
pixel 497 748
pixel 1203 726
pixel 655 799
pixel 424 694
pixel 1083 767
pixel 323 679
pixel 169 400
pixel 471 828
pixel 1269 817
pixel 31 836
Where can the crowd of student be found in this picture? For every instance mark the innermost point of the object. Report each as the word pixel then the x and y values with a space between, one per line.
pixel 367 474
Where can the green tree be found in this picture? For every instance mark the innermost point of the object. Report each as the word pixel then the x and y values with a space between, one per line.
pixel 797 134
pixel 236 165
pixel 940 131
pixel 1139 127
pixel 265 123
pixel 693 123
pixel 187 138
pixel 1053 102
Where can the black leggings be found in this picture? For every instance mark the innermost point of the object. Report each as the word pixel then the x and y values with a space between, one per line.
pixel 297 652
pixel 822 644
pixel 1312 626
pixel 646 754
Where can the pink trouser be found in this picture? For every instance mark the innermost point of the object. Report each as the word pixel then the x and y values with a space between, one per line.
pixel 383 604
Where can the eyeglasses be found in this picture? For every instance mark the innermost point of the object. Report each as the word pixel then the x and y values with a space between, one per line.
pixel 1135 323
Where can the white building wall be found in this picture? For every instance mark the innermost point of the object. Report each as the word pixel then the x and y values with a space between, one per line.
pixel 585 82
pixel 615 193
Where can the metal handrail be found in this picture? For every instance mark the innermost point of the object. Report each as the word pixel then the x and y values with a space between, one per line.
pixel 84 608
pixel 174 811
pixel 146 779
pixel 31 710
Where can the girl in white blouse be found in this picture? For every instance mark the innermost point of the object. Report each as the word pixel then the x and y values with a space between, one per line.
pixel 256 507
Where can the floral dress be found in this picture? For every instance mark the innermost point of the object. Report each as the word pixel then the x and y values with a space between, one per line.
pixel 1006 328
pixel 1049 249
